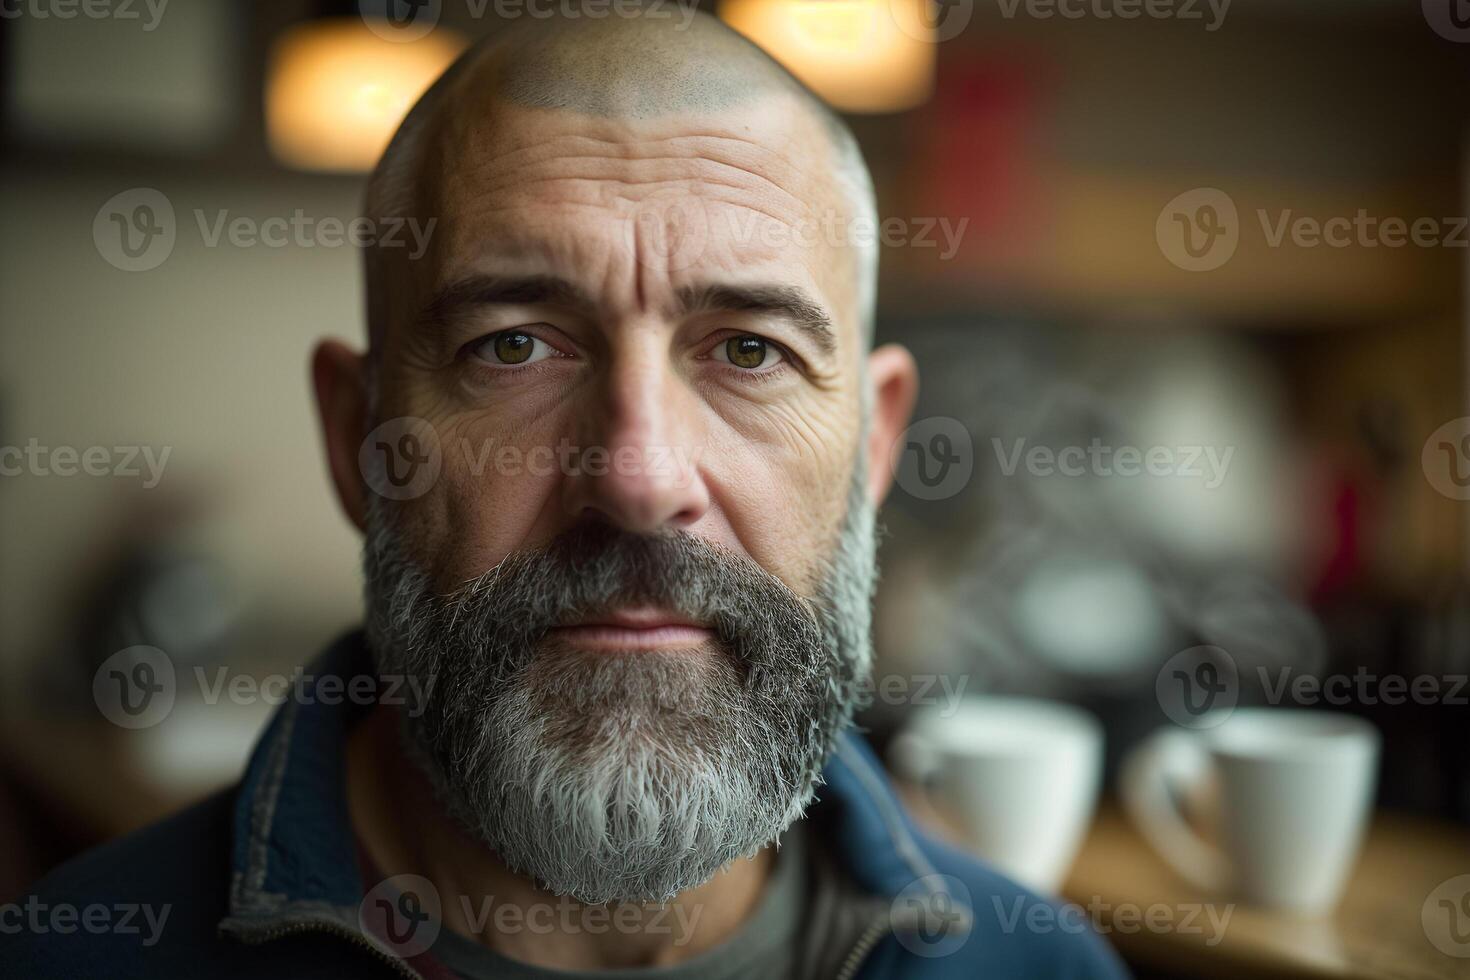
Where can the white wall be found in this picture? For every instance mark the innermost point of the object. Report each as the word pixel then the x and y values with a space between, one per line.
pixel 206 354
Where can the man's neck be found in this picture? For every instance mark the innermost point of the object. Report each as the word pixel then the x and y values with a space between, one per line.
pixel 404 830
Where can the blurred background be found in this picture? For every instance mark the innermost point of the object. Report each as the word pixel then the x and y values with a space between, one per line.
pixel 1103 238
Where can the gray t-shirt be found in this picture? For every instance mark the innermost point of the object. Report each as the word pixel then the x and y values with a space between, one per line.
pixel 765 946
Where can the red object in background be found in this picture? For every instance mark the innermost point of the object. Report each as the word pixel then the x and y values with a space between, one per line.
pixel 1344 558
pixel 1341 503
pixel 982 157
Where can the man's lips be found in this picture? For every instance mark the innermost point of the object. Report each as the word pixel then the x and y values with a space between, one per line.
pixel 639 628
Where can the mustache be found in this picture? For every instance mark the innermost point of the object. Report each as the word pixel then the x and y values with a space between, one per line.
pixel 595 567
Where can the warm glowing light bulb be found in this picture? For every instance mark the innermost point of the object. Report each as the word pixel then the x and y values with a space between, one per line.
pixel 336 91
pixel 859 55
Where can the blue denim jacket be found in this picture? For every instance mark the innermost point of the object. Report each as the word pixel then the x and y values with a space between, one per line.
pixel 263 881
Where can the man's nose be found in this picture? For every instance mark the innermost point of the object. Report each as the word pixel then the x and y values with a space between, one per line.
pixel 639 465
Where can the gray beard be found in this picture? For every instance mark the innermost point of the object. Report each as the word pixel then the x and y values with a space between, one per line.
pixel 625 777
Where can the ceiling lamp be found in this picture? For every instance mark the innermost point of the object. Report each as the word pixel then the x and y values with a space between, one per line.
pixel 859 55
pixel 336 89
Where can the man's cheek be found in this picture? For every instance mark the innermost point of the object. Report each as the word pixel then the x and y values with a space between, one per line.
pixel 480 515
pixel 785 509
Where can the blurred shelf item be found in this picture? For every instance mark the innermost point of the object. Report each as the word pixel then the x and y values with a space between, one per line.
pixel 1291 250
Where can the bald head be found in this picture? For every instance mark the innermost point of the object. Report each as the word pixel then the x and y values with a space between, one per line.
pixel 636 68
pixel 642 310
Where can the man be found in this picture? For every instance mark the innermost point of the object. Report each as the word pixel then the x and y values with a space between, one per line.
pixel 616 446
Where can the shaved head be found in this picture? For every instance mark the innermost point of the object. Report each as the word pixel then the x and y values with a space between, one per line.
pixel 634 68
pixel 632 359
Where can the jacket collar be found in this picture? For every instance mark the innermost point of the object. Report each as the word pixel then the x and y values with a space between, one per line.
pixel 294 855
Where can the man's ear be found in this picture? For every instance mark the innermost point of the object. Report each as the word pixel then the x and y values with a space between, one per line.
pixel 895 380
pixel 342 403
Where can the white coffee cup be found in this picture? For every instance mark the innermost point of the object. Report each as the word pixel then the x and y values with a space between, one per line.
pixel 1022 775
pixel 1292 790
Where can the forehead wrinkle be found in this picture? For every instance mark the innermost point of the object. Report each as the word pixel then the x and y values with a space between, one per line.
pixel 569 157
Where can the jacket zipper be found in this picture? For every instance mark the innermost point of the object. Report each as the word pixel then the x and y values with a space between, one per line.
pixel 875 931
pixel 400 967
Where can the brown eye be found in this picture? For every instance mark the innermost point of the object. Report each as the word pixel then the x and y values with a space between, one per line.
pixel 746 352
pixel 512 347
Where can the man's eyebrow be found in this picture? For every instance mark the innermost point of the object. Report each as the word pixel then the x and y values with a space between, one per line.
pixel 787 302
pixel 463 295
